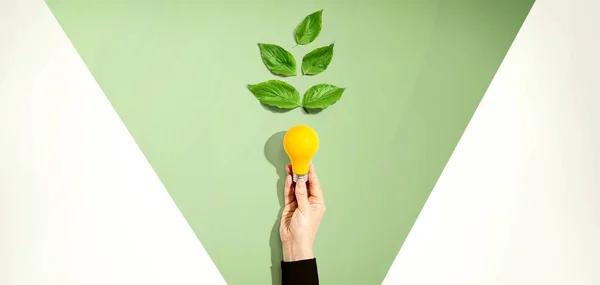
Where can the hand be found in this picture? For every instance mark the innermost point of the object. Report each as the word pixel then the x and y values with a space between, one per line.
pixel 301 216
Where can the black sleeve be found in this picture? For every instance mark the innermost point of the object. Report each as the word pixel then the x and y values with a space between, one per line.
pixel 303 272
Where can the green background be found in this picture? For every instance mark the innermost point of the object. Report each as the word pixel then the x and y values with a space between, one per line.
pixel 176 73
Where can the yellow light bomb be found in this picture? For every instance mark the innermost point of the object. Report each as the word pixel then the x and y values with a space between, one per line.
pixel 301 143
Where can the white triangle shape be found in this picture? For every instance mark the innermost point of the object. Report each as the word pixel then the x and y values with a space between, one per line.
pixel 519 200
pixel 79 203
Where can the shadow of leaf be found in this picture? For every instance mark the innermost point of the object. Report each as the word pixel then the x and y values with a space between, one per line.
pixel 312 111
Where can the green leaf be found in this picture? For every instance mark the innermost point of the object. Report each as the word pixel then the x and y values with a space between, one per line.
pixel 309 28
pixel 317 60
pixel 276 93
pixel 321 96
pixel 278 60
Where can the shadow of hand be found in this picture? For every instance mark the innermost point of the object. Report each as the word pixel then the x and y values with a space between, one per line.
pixel 275 154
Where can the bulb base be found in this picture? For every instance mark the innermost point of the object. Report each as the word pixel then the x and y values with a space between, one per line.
pixel 297 177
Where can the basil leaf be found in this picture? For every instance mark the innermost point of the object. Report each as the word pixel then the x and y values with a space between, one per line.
pixel 309 28
pixel 276 93
pixel 317 60
pixel 278 60
pixel 321 96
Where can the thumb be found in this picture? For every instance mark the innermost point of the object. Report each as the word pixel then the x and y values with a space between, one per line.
pixel 302 196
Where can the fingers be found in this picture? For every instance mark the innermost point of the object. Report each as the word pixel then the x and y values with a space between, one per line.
pixel 288 169
pixel 312 175
pixel 302 196
pixel 315 186
pixel 288 192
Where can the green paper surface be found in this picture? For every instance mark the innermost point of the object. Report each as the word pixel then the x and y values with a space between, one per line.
pixel 176 73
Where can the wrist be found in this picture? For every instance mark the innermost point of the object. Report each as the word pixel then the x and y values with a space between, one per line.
pixel 296 252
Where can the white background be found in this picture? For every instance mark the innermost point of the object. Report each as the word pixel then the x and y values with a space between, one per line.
pixel 518 203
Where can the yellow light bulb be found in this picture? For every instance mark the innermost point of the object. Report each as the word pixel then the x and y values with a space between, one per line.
pixel 301 143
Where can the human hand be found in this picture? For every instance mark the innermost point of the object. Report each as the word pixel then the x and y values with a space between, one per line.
pixel 301 216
